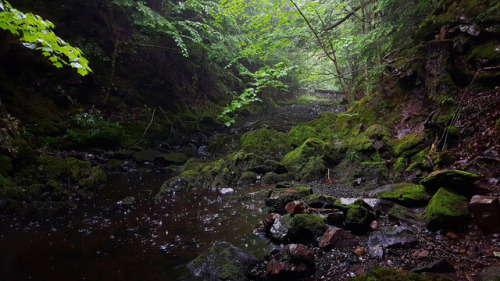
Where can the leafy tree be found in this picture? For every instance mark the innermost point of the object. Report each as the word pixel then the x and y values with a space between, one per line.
pixel 36 33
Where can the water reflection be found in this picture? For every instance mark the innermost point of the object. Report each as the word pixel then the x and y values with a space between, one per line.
pixel 137 239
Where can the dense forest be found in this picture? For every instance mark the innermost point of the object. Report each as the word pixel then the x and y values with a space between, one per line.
pixel 362 136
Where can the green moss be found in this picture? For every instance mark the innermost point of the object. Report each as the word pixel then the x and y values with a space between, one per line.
pixel 407 194
pixel 399 164
pixel 377 132
pixel 446 209
pixel 229 271
pixel 419 160
pixel 391 274
pixel 305 225
pixel 264 140
pixel 486 51
pixel 458 180
pixel 300 156
pixel 408 142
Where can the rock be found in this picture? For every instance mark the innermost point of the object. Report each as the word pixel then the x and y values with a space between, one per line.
pixel 446 210
pixel 458 181
pixel 336 237
pixel 404 214
pixel 147 155
pixel 358 218
pixel 406 194
pixel 226 190
pixel 336 218
pixel 491 273
pixel 376 252
pixel 486 212
pixel 320 201
pixel 222 261
pixel 296 207
pixel 420 254
pixel 280 197
pixel 173 159
pixel 265 225
pixel 441 266
pixel 272 178
pixel 270 166
pixel 291 261
pixel 285 184
pixel 397 274
pixel 359 251
pixel 123 154
pixel 301 228
pixel 393 237
pixel 127 201
pixel 247 178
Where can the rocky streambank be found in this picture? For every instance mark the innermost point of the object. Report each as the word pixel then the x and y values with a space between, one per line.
pixel 399 232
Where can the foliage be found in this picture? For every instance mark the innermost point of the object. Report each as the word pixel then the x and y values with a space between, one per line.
pixel 264 78
pixel 36 33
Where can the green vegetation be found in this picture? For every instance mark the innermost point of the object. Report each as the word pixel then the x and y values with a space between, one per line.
pixel 406 194
pixel 446 210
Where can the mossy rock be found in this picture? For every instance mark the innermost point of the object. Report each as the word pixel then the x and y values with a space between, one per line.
pixel 273 178
pixel 223 144
pixel 459 181
pixel 378 132
pixel 247 178
pixel 404 214
pixel 358 218
pixel 320 201
pixel 270 166
pixel 406 143
pixel 264 141
pixel 175 159
pixel 65 168
pixel 280 197
pixel 96 178
pixel 406 194
pixel 447 210
pixel 124 154
pixel 391 274
pixel 222 261
pixel 115 165
pixel 146 155
pixel 306 228
pixel 313 170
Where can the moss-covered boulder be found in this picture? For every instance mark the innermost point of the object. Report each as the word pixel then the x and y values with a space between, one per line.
pixel 280 197
pixel 300 228
pixel 222 261
pixel 247 178
pixel 406 194
pixel 270 166
pixel 174 159
pixel 447 210
pixel 459 181
pixel 273 178
pixel 264 142
pixel 72 169
pixel 391 274
pixel 405 145
pixel 223 144
pixel 359 217
pixel 320 201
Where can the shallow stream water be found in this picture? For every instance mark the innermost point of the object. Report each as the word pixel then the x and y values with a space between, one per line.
pixel 145 240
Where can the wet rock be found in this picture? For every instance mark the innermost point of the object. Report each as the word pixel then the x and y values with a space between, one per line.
pixel 280 197
pixel 285 270
pixel 320 201
pixel 393 237
pixel 272 178
pixel 301 228
pixel 397 274
pixel 446 210
pixel 336 218
pixel 336 237
pixel 270 166
pixel 420 254
pixel 147 155
pixel 458 181
pixel 376 252
pixel 173 159
pixel 296 207
pixel 440 266
pixel 123 154
pixel 486 212
pixel 300 253
pixel 247 178
pixel 359 251
pixel 406 194
pixel 491 273
pixel 404 214
pixel 358 218
pixel 265 225
pixel 222 261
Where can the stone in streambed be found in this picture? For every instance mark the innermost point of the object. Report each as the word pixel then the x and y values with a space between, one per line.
pixel 280 197
pixel 359 217
pixel 446 210
pixel 406 194
pixel 247 178
pixel 301 228
pixel 222 261
pixel 336 237
pixel 296 207
pixel 486 212
pixel 456 180
pixel 291 262
pixel 146 155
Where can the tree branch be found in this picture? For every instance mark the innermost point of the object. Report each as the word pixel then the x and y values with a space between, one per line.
pixel 346 17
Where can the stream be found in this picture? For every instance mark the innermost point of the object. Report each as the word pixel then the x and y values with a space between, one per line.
pixel 145 240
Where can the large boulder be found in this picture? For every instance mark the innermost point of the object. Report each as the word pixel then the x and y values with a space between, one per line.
pixel 359 217
pixel 486 212
pixel 458 181
pixel 446 210
pixel 222 261
pixel 406 194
